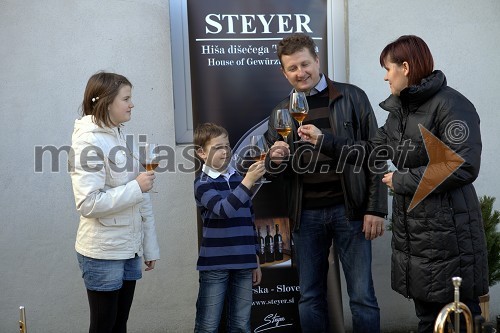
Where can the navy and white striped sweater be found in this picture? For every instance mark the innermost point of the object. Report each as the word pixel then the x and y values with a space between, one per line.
pixel 229 236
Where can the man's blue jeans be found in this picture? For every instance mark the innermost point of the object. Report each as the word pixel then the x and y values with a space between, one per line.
pixel 318 228
pixel 214 286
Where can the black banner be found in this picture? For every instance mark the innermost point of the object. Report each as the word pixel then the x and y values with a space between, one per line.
pixel 236 80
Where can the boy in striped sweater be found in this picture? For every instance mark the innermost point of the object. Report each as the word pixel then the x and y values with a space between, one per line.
pixel 228 261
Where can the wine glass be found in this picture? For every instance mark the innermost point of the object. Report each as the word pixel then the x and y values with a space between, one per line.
pixel 283 122
pixel 298 108
pixel 150 160
pixel 258 151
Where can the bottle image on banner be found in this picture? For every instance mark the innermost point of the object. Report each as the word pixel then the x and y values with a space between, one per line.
pixel 269 245
pixel 262 247
pixel 278 244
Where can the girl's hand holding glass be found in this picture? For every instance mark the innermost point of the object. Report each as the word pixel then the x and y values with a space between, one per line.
pixel 146 180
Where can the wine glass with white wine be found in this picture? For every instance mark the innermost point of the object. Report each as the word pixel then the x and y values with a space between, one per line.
pixel 283 122
pixel 151 158
pixel 258 151
pixel 299 108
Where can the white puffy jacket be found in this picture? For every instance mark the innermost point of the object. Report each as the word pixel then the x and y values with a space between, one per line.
pixel 116 218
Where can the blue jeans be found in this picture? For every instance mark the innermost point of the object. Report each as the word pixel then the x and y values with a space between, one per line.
pixel 214 286
pixel 318 228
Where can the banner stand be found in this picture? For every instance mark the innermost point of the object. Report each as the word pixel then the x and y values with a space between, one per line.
pixel 334 299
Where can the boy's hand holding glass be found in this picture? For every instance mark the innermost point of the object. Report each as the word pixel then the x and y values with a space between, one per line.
pixel 254 173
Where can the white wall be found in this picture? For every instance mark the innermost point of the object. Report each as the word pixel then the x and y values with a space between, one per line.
pixel 464 39
pixel 50 48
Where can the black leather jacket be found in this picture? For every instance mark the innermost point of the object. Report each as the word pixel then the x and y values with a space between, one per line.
pixel 351 115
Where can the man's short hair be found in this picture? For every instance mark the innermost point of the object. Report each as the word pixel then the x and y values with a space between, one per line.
pixel 295 43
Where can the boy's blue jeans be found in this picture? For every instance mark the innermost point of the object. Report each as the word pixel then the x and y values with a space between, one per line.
pixel 214 285
pixel 312 241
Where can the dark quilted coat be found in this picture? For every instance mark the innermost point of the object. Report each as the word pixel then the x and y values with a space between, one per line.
pixel 443 236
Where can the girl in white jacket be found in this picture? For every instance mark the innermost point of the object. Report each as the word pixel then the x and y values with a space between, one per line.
pixel 117 227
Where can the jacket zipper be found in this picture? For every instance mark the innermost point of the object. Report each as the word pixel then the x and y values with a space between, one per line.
pixel 404 121
pixel 408 256
pixel 403 118
pixel 122 141
pixel 342 182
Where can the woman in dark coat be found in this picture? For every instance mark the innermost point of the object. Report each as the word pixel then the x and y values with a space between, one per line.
pixel 433 138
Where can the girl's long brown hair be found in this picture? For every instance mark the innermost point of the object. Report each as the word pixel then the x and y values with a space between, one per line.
pixel 102 89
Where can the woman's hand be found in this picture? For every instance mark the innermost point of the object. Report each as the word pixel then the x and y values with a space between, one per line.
pixel 309 133
pixel 146 180
pixel 387 180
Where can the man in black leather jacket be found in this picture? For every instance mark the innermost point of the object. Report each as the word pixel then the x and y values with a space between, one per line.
pixel 328 200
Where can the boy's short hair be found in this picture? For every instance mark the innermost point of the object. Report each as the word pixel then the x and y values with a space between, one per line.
pixel 206 132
